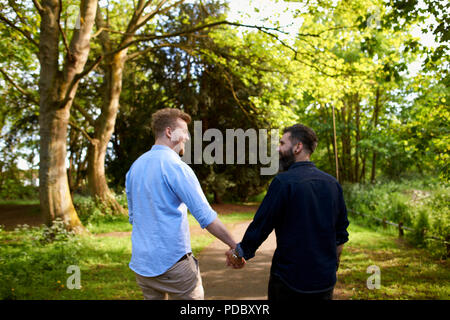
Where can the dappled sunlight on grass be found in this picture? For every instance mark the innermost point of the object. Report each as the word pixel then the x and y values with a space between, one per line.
pixel 406 273
pixel 32 270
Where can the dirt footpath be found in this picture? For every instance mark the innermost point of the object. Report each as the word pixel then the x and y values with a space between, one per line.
pixel 249 283
pixel 224 283
pixel 13 215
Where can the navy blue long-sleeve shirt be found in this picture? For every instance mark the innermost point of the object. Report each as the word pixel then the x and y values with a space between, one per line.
pixel 306 208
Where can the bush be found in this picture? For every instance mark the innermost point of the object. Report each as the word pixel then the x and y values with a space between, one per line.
pixel 35 257
pixel 12 189
pixel 421 204
pixel 421 227
pixel 98 218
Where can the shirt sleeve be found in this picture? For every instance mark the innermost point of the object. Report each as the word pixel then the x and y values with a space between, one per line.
pixel 184 183
pixel 342 220
pixel 129 201
pixel 264 221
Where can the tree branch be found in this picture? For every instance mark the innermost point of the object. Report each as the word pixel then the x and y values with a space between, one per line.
pixel 66 45
pixel 230 83
pixel 38 6
pixel 20 89
pixel 83 132
pixel 77 78
pixel 170 35
pixel 163 45
pixel 23 32
pixel 85 114
pixel 150 15
pixel 317 35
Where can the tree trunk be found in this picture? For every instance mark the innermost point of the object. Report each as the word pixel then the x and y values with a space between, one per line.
pixel 217 198
pixel 103 130
pixel 375 123
pixel 347 167
pixel 55 199
pixel 358 138
pixel 362 178
pixel 57 90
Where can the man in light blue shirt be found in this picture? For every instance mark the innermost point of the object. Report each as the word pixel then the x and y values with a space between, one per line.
pixel 160 188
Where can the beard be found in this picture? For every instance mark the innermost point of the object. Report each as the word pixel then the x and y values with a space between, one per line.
pixel 179 148
pixel 286 160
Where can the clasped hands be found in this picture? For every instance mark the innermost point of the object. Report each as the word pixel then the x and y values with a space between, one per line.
pixel 233 260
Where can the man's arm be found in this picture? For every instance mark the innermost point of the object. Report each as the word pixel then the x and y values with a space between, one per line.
pixel 188 189
pixel 217 229
pixel 264 221
pixel 129 201
pixel 184 183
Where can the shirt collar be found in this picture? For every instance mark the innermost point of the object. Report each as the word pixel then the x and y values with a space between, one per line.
pixel 302 164
pixel 156 147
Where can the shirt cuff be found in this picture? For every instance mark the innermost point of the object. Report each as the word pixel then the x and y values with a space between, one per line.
pixel 239 250
pixel 205 217
pixel 341 241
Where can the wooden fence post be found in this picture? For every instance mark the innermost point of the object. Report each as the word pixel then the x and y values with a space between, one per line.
pixel 447 238
pixel 400 229
pixel 384 222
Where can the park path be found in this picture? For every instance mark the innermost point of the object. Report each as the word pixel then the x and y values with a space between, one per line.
pixel 224 283
pixel 249 283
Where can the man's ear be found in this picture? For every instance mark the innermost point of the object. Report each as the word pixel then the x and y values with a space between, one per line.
pixel 298 147
pixel 168 132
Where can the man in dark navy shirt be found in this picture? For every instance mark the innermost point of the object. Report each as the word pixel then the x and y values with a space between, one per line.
pixel 306 208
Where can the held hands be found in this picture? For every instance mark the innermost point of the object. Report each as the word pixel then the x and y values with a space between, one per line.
pixel 233 260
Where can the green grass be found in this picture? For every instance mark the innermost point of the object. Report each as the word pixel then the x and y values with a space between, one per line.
pixel 19 202
pixel 421 204
pixel 406 272
pixel 31 269
pixel 113 224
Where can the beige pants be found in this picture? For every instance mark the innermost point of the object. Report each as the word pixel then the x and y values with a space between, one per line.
pixel 181 282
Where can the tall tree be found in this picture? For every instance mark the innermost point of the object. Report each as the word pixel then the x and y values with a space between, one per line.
pixel 57 88
pixel 145 32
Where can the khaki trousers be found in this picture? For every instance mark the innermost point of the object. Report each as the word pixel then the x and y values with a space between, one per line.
pixel 181 282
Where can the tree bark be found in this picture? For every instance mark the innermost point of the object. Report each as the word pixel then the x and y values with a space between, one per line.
pixel 217 198
pixel 103 130
pixel 358 137
pixel 57 89
pixel 104 124
pixel 375 123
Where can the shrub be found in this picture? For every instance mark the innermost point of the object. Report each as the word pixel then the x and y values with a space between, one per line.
pixel 421 226
pixel 12 189
pixel 99 218
pixel 421 204
pixel 35 257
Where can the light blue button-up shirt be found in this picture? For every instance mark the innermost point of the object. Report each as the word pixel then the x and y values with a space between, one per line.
pixel 159 186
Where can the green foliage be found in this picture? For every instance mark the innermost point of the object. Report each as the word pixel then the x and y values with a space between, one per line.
pixel 421 204
pixel 406 272
pixel 12 189
pixel 33 265
pixel 420 228
pixel 31 269
pixel 99 218
pixel 35 257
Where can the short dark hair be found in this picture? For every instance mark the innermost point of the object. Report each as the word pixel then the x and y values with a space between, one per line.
pixel 303 134
pixel 167 117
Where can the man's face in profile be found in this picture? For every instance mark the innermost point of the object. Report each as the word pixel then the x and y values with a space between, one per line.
pixel 179 136
pixel 286 152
